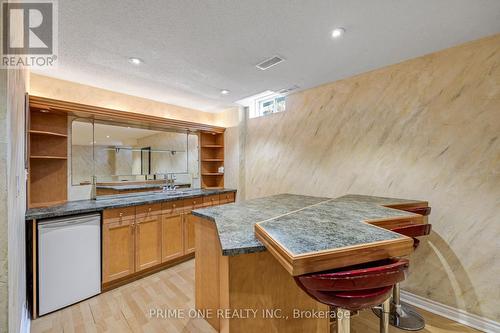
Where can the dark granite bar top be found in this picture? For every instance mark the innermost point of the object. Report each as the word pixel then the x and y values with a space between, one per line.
pixel 235 222
pixel 88 206
pixel 302 223
pixel 381 201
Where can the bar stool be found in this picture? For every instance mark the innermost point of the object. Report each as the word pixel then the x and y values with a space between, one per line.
pixel 354 288
pixel 402 315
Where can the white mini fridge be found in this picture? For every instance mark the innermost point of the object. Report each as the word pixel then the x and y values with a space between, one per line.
pixel 69 261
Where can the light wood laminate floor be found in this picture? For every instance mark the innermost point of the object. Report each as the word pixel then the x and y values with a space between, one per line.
pixel 127 309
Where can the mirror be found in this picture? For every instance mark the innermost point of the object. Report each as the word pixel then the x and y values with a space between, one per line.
pixel 82 160
pixel 117 154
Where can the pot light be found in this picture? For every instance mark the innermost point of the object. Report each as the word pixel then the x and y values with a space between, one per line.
pixel 338 32
pixel 224 91
pixel 107 136
pixel 135 61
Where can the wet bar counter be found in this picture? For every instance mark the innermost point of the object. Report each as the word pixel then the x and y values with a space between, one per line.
pixel 247 253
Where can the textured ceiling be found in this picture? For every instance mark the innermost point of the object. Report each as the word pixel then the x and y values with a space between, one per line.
pixel 193 49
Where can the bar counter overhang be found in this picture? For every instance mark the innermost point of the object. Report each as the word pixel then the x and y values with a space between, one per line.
pixel 247 254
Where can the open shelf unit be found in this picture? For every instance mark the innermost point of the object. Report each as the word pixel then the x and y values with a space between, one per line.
pixel 212 157
pixel 48 155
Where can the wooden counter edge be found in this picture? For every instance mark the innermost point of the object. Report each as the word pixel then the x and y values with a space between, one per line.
pixel 335 258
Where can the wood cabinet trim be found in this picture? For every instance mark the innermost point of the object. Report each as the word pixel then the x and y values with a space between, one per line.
pixel 96 112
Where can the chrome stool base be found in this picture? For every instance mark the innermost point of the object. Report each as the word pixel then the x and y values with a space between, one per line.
pixel 406 318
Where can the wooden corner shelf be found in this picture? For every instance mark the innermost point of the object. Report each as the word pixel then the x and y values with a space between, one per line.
pixel 212 158
pixel 48 158
pixel 48 133
pixel 212 146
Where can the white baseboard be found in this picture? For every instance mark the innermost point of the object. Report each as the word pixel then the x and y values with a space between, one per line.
pixel 25 320
pixel 461 316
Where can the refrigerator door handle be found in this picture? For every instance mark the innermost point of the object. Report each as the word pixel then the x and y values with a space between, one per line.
pixel 63 224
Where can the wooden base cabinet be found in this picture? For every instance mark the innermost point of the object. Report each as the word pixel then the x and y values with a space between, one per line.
pixel 118 250
pixel 189 205
pixel 172 237
pixel 148 242
pixel 142 238
pixel 188 233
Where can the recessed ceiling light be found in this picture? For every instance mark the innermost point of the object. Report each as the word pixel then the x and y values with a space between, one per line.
pixel 338 32
pixel 224 91
pixel 135 61
pixel 107 136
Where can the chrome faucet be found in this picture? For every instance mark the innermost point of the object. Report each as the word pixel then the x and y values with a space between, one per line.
pixel 170 181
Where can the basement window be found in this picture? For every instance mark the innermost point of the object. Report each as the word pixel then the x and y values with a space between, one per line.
pixel 270 105
pixel 264 104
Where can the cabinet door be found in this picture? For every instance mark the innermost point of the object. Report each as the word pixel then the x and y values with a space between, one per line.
pixel 172 237
pixel 147 242
pixel 117 250
pixel 188 233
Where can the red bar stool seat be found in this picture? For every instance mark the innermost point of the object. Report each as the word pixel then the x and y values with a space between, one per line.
pixel 402 315
pixel 355 288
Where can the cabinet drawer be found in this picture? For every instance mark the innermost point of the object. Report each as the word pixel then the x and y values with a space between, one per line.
pixel 226 197
pixel 173 207
pixel 192 203
pixel 145 211
pixel 118 214
pixel 211 200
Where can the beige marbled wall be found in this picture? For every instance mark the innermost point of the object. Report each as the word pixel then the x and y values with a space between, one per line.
pixel 13 85
pixel 80 93
pixel 428 128
pixel 82 163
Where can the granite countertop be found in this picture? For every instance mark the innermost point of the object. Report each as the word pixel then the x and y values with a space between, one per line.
pixel 235 222
pixel 302 223
pixel 88 206
pixel 128 187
